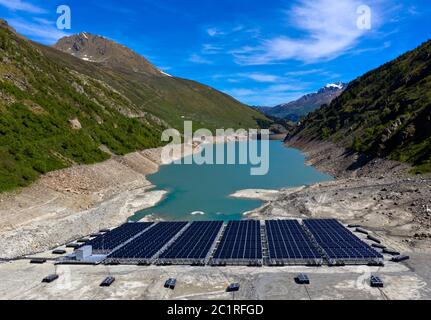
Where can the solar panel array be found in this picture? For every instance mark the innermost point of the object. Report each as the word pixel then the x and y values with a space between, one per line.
pixel 194 244
pixel 107 242
pixel 241 243
pixel 288 243
pixel 145 246
pixel 339 244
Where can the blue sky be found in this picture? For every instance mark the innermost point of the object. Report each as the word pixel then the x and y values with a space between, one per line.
pixel 260 52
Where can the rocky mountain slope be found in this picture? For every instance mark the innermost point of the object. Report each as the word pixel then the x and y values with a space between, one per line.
pixel 385 113
pixel 57 110
pixel 308 103
pixel 98 49
pixel 169 98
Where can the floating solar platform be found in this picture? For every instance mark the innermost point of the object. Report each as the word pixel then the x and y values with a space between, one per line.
pixel 240 244
pixel 194 245
pixel 289 244
pixel 112 240
pixel 340 246
pixel 171 283
pixel 400 258
pixel 233 287
pixel 50 278
pixel 146 247
pixel 376 282
pixel 107 282
pixel 302 279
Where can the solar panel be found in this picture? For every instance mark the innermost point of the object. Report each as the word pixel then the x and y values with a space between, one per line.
pixel 339 245
pixel 194 245
pixel 288 243
pixel 240 244
pixel 143 248
pixel 111 240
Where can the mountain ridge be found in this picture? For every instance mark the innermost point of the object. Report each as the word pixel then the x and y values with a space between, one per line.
pixel 172 99
pixel 294 110
pixel 57 110
pixel 384 113
pixel 96 48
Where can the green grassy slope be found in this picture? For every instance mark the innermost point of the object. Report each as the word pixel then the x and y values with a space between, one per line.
pixel 56 110
pixel 38 98
pixel 386 112
pixel 169 98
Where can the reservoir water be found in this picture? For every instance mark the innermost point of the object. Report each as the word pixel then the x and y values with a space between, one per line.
pixel 201 192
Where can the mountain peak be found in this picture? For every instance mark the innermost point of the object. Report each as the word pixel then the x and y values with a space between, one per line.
pixel 4 24
pixel 295 109
pixel 336 86
pixel 95 48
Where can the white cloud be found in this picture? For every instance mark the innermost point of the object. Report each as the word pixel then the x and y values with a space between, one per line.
pixel 20 5
pixel 260 77
pixel 43 20
pixel 329 29
pixel 226 30
pixel 213 32
pixel 238 28
pixel 208 48
pixel 255 76
pixel 304 72
pixel 323 74
pixel 44 32
pixel 384 46
pixel 195 58
pixel 413 11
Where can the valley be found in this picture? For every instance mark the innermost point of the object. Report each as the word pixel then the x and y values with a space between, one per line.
pixel 83 124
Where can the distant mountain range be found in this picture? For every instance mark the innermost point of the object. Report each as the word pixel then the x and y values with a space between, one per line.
pixel 296 109
pixel 89 97
pixel 384 113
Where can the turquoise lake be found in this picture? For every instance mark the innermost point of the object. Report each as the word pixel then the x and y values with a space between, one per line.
pixel 201 192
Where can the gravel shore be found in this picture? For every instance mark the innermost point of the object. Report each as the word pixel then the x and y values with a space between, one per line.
pixel 55 210
pixel 380 195
pixel 69 204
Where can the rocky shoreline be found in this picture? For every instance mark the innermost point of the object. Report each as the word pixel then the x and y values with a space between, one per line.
pixel 379 195
pixel 69 204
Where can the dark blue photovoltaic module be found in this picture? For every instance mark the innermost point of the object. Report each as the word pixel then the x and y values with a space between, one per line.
pixel 288 243
pixel 194 244
pixel 241 244
pixel 145 246
pixel 107 242
pixel 339 244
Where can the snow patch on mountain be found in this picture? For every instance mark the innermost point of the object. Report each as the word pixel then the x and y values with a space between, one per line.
pixel 166 74
pixel 338 85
